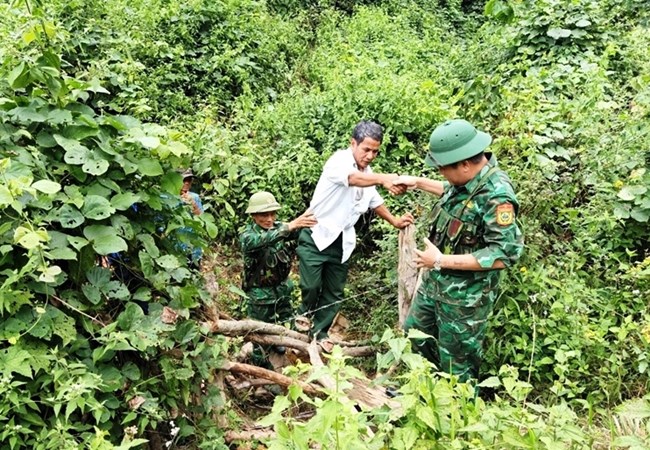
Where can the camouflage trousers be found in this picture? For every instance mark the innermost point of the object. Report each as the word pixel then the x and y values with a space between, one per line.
pixel 456 345
pixel 272 305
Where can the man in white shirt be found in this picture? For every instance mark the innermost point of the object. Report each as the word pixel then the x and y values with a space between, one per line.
pixel 345 190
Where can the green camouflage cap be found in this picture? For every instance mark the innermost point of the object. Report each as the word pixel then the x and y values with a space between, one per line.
pixel 261 202
pixel 454 141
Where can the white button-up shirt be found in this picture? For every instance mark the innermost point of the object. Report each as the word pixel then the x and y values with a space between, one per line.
pixel 337 205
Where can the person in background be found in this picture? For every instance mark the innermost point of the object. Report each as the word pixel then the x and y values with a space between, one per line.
pixel 193 200
pixel 473 237
pixel 345 190
pixel 268 249
pixel 189 197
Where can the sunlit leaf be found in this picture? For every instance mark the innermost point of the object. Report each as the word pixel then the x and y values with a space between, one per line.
pixel 168 262
pixel 47 186
pixel 48 274
pixel 95 164
pixel 640 215
pixel 558 33
pixel 5 196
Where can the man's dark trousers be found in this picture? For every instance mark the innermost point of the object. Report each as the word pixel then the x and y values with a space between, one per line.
pixel 322 280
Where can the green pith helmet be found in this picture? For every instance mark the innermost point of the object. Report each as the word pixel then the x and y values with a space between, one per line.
pixel 261 202
pixel 454 141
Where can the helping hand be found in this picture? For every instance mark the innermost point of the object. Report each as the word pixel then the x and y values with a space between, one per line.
pixel 390 186
pixel 406 180
pixel 306 219
pixel 428 256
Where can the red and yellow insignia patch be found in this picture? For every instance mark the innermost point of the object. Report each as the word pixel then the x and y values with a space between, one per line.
pixel 505 214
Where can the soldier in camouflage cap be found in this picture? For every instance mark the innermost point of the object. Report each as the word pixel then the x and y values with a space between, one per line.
pixel 266 246
pixel 473 235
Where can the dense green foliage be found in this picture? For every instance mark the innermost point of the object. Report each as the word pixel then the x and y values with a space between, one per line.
pixel 101 102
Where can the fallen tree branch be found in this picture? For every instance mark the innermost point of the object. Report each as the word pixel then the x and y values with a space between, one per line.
pixel 342 343
pixel 275 377
pixel 359 351
pixel 268 339
pixel 245 384
pixel 249 435
pixel 242 327
pixel 302 347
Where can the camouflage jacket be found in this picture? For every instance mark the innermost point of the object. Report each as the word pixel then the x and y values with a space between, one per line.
pixel 478 218
pixel 267 255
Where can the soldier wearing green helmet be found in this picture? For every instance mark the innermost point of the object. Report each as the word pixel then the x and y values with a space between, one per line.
pixel 266 246
pixel 473 236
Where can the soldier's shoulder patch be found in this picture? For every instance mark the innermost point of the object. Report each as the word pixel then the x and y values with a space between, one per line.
pixel 505 214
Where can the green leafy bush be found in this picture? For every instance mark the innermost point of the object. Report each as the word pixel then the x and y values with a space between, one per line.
pixel 96 293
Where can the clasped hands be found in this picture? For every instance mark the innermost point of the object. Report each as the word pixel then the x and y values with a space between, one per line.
pixel 400 184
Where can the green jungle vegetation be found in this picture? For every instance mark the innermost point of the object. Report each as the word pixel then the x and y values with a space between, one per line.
pixel 102 101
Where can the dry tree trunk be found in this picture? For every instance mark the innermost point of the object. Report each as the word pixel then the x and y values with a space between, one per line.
pixel 270 375
pixel 242 327
pixel 409 277
pixel 248 435
pixel 271 334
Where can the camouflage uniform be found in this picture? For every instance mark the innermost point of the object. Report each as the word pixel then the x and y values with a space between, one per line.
pixel 453 305
pixel 267 262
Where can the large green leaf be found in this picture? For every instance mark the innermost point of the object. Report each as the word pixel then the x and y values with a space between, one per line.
pixel 27 114
pixel 558 33
pixel 18 78
pixel 15 360
pixel 124 201
pixel 95 164
pixel 98 276
pixel 172 182
pixel 5 196
pixel 79 132
pixel 70 217
pixel 59 116
pixel 116 289
pixel 75 153
pixel 150 167
pixel 628 193
pixel 148 142
pixel 96 207
pixel 104 240
pixel 29 238
pixel 92 293
pixel 128 165
pixel 47 186
pixel 640 215
pixel 149 245
pixel 168 262
pixel 122 226
pixel 77 242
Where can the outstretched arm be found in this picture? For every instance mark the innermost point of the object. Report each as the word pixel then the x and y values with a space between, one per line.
pixel 424 184
pixel 398 222
pixel 362 179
